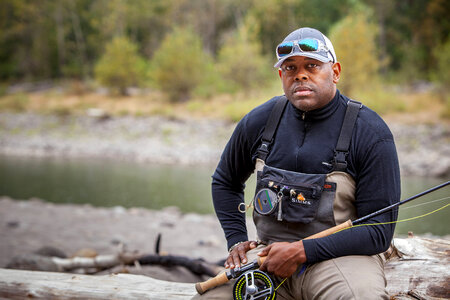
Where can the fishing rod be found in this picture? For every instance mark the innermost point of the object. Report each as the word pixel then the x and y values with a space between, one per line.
pixel 379 212
pixel 246 286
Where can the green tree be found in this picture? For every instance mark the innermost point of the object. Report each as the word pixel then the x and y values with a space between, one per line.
pixel 121 66
pixel 27 41
pixel 240 60
pixel 275 19
pixel 353 39
pixel 408 31
pixel 180 64
pixel 442 75
pixel 442 55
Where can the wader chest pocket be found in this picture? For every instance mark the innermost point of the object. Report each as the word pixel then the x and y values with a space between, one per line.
pixel 288 196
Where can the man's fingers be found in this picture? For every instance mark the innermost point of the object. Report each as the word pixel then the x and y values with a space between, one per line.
pixel 231 260
pixel 228 262
pixel 283 258
pixel 265 251
pixel 262 253
pixel 235 259
pixel 243 257
pixel 238 254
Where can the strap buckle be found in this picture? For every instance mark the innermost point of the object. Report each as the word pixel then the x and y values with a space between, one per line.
pixel 355 102
pixel 340 160
pixel 263 150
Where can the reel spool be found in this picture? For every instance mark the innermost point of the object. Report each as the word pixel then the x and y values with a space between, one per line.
pixel 254 285
pixel 265 201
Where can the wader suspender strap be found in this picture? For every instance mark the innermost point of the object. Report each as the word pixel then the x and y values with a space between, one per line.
pixel 343 144
pixel 271 127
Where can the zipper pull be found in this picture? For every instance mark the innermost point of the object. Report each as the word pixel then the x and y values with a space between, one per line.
pixel 303 116
pixel 280 199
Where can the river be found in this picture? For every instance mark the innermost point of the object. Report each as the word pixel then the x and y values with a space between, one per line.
pixel 107 182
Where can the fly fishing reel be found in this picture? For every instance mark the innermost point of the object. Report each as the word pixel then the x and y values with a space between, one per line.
pixel 254 285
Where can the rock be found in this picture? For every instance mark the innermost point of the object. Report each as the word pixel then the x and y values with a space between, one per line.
pixel 97 113
pixel 119 210
pixel 13 224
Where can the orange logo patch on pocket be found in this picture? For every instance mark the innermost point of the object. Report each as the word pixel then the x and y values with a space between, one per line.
pixel 300 197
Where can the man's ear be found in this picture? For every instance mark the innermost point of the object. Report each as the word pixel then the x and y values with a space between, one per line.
pixel 336 72
pixel 279 72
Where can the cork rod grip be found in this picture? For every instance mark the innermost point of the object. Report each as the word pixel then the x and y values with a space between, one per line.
pixel 203 287
pixel 330 231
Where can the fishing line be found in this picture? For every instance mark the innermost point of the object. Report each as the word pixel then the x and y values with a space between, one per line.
pixel 397 209
pixel 281 283
pixel 398 221
pixel 429 202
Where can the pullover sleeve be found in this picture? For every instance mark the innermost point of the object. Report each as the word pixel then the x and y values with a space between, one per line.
pixel 234 168
pixel 377 186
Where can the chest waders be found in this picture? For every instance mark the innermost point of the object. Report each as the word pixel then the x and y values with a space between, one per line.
pixel 290 206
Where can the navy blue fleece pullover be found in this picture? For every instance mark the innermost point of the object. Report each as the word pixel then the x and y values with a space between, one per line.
pixel 305 142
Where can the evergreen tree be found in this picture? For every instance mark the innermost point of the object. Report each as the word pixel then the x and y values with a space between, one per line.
pixel 180 64
pixel 354 43
pixel 240 60
pixel 121 66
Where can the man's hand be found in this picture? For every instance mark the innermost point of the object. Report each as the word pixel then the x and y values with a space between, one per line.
pixel 237 255
pixel 283 258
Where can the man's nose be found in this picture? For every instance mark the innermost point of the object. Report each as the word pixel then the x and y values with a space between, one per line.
pixel 301 75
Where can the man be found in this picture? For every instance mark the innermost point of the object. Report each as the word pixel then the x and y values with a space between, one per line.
pixel 305 146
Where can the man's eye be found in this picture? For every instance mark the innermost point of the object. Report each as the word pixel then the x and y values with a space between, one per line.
pixel 290 68
pixel 312 66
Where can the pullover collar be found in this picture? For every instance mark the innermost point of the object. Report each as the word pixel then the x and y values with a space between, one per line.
pixel 320 113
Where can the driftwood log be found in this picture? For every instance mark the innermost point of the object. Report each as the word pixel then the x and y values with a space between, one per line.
pixel 36 262
pixel 92 265
pixel 21 284
pixel 418 269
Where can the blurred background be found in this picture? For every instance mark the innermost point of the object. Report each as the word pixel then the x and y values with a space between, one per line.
pixel 196 50
pixel 125 61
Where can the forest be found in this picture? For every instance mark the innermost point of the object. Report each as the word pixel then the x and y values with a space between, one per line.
pixel 190 49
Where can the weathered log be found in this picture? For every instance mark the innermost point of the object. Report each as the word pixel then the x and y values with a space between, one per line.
pixel 419 271
pixel 422 271
pixel 35 262
pixel 56 264
pixel 21 284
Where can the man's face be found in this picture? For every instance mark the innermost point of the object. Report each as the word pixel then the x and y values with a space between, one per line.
pixel 309 83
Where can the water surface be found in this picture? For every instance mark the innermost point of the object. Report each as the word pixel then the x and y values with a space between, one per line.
pixel 131 184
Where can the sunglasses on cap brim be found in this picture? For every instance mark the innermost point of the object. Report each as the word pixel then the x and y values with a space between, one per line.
pixel 304 45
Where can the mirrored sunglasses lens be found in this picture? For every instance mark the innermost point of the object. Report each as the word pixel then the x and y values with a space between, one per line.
pixel 285 49
pixel 308 45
